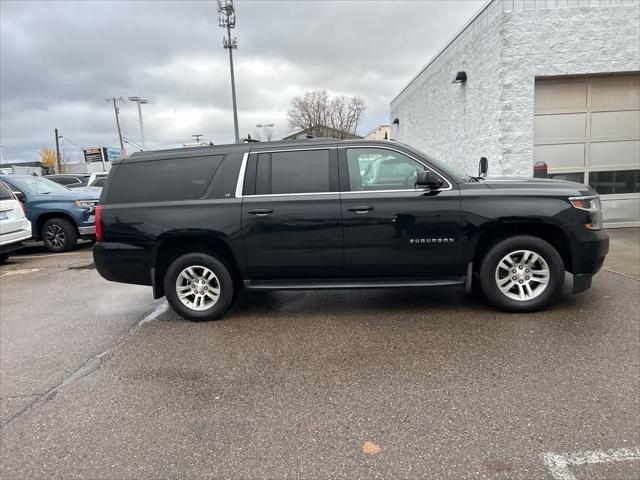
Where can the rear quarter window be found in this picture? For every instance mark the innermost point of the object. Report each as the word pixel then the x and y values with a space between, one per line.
pixel 162 180
pixel 5 193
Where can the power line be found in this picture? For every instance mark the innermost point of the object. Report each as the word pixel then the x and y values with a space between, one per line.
pixel 67 139
pixel 131 142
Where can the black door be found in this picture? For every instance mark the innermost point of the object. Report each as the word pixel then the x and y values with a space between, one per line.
pixel 291 220
pixel 390 227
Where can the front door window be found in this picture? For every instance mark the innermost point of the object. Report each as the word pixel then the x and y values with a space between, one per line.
pixel 372 169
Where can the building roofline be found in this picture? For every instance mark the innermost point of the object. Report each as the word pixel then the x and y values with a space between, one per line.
pixel 377 128
pixel 297 132
pixel 447 45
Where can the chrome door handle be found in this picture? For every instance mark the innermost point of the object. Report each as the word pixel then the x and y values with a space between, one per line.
pixel 361 208
pixel 261 212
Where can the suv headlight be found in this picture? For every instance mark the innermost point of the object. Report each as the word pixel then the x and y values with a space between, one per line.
pixel 591 204
pixel 88 204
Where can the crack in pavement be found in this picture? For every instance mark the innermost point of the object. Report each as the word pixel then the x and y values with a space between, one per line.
pixel 90 365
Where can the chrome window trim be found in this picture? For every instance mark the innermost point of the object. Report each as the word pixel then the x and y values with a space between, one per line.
pixel 245 159
pixel 241 175
pixel 290 194
pixel 450 187
pixel 243 171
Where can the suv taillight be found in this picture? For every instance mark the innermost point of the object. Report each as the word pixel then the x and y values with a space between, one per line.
pixel 98 221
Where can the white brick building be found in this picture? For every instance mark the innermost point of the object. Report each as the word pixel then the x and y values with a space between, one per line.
pixel 547 80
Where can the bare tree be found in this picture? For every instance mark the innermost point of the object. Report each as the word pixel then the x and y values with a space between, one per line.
pixel 264 132
pixel 316 111
pixel 267 133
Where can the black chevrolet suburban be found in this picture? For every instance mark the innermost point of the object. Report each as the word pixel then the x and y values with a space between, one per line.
pixel 200 225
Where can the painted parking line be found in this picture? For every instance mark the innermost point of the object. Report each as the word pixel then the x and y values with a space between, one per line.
pixel 559 464
pixel 19 271
pixel 45 255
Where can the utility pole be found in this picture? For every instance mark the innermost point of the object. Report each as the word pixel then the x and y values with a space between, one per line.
pixel 197 137
pixel 117 112
pixel 227 19
pixel 140 101
pixel 58 137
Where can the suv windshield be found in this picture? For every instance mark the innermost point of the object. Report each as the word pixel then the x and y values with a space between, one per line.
pixel 453 172
pixel 39 185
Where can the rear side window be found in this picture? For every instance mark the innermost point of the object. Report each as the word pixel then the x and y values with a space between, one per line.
pixel 162 180
pixel 5 193
pixel 293 172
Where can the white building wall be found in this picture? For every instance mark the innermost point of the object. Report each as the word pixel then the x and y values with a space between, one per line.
pixel 456 123
pixel 551 42
pixel 502 50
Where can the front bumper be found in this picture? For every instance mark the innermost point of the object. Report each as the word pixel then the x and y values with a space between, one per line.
pixel 87 230
pixel 588 253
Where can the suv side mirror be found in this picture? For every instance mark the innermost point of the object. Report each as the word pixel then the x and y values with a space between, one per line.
pixel 429 179
pixel 20 195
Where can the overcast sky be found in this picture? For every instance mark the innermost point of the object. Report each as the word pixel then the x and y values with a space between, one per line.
pixel 60 60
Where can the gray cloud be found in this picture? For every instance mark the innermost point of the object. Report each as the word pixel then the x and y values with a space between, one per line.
pixel 60 60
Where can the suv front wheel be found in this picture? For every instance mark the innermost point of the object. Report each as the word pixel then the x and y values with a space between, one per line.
pixel 199 287
pixel 522 274
pixel 59 235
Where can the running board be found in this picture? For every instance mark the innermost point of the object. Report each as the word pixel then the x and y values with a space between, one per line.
pixel 348 283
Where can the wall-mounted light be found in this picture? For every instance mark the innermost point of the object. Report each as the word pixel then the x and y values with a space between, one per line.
pixel 461 77
pixel 396 121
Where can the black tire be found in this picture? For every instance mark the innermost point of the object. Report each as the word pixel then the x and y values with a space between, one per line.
pixel 224 281
pixel 489 272
pixel 4 257
pixel 59 235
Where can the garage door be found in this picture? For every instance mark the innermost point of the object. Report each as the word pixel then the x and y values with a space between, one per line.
pixel 587 129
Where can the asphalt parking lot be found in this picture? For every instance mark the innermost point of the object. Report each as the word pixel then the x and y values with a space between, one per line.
pixel 98 380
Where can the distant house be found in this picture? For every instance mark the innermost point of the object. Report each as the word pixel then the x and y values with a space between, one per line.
pixel 321 131
pixel 383 132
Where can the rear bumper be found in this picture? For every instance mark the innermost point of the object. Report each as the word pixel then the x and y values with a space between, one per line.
pixel 10 247
pixel 121 262
pixel 8 239
pixel 15 240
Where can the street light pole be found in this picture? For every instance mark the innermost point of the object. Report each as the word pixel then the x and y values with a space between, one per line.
pixel 227 19
pixel 140 101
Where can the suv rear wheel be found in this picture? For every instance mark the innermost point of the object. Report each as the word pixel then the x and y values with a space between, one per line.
pixel 522 274
pixel 59 235
pixel 199 287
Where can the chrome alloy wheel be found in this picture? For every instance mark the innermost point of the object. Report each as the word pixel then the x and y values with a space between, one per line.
pixel 54 235
pixel 522 275
pixel 198 288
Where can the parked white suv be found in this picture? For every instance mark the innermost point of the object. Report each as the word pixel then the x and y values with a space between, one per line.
pixel 14 227
pixel 97 179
